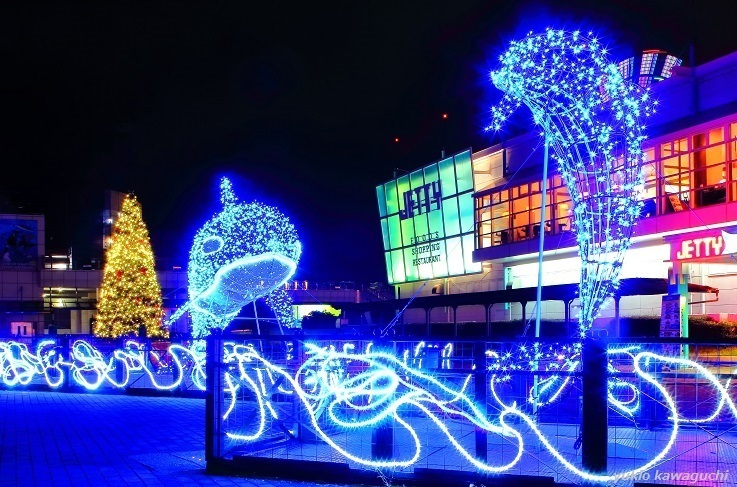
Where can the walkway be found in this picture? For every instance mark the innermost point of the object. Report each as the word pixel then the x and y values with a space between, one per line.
pixel 64 439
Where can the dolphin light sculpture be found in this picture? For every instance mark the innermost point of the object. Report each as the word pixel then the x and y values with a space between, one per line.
pixel 245 252
pixel 591 117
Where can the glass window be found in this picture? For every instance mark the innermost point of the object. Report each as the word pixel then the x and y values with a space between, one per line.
pixel 464 171
pixel 455 256
pixel 398 266
pixel 625 67
pixel 468 249
pixel 483 222
pixel 435 224
pixel 466 210
pixel 425 270
pixel 447 176
pixel 421 226
pixel 692 171
pixel 500 223
pixel 395 235
pixel 485 235
pixel 716 135
pixel 381 198
pixel 708 168
pixel 680 146
pixel 440 268
pixel 536 200
pixel 450 216
pixel 392 202
pixel 648 63
pixel 408 231
pixel 410 265
pixel 389 271
pixel 416 179
pixel 385 232
pixel 670 63
pixel 402 188
pixel 431 173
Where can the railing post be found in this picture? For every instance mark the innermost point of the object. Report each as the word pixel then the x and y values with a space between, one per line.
pixel 177 372
pixel 119 344
pixel 594 425
pixel 382 440
pixel 67 354
pixel 382 436
pixel 213 395
pixel 480 392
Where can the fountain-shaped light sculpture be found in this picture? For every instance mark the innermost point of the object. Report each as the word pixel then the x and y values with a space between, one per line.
pixel 243 253
pixel 592 118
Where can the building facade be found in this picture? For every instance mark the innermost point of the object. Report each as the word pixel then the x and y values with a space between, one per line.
pixel 42 293
pixel 436 245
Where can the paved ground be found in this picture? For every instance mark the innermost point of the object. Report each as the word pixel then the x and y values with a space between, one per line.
pixel 68 439
pixel 65 439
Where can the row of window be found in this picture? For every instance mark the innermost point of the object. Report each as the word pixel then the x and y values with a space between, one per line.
pixel 688 172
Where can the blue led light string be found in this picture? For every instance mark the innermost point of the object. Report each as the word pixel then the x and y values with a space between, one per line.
pixel 353 389
pixel 245 252
pixel 591 118
pixel 89 368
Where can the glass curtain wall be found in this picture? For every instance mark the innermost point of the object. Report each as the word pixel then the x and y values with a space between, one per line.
pixel 427 221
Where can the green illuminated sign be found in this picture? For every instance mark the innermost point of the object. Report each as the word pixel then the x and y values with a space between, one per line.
pixel 427 221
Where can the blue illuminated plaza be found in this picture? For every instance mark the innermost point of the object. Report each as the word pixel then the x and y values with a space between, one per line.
pixel 557 308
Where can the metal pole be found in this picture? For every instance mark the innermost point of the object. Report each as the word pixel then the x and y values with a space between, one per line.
pixel 481 385
pixel 594 423
pixel 544 202
pixel 538 302
pixel 213 398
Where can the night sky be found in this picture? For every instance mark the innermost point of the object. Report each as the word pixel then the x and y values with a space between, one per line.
pixel 298 102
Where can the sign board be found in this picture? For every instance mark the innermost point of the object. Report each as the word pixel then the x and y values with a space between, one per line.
pixel 427 221
pixel 670 317
pixel 19 240
pixel 706 244
pixel 676 202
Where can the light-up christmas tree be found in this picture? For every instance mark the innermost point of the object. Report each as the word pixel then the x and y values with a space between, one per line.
pixel 130 295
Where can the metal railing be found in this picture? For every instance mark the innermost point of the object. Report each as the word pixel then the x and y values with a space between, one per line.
pixel 86 363
pixel 609 412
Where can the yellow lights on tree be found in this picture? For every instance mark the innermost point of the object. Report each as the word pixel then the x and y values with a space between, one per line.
pixel 130 296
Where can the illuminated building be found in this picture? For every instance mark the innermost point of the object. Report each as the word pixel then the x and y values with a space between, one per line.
pixel 688 197
pixel 42 293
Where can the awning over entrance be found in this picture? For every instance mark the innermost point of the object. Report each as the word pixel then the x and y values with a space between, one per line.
pixel 638 286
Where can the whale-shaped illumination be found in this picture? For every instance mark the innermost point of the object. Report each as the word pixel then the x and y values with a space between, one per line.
pixel 245 252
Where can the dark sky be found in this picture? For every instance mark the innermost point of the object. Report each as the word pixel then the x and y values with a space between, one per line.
pixel 299 102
